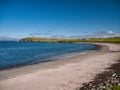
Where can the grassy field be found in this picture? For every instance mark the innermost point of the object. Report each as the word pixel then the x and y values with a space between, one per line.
pixel 115 88
pixel 106 40
pixel 60 40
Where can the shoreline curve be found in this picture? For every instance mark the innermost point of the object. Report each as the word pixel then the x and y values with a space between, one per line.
pixel 68 73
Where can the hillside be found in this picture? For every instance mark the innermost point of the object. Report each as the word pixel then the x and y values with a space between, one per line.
pixel 106 40
pixel 34 39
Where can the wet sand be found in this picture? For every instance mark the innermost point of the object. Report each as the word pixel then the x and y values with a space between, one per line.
pixel 65 74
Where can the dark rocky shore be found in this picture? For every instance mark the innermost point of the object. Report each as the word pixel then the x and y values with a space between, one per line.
pixel 107 80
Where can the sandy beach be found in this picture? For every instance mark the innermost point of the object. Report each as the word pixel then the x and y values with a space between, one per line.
pixel 66 74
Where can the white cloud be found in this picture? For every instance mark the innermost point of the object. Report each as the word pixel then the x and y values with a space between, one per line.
pixel 105 36
pixel 5 38
pixel 110 32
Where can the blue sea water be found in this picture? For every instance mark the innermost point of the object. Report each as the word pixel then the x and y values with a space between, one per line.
pixel 23 53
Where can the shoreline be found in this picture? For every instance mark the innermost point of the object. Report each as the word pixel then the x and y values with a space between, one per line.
pixel 15 71
pixel 68 73
pixel 97 47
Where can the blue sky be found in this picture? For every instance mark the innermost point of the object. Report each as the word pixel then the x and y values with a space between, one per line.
pixel 52 18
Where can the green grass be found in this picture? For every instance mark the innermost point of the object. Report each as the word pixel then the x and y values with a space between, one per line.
pixel 115 88
pixel 106 40
pixel 61 40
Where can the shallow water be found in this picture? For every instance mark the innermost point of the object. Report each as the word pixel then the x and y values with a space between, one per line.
pixel 23 53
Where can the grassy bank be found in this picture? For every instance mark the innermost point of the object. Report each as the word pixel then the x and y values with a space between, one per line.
pixel 33 39
pixel 60 40
pixel 106 40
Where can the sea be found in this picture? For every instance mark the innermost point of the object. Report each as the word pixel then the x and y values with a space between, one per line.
pixel 15 53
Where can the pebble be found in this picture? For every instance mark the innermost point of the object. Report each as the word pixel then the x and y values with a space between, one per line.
pixel 114 80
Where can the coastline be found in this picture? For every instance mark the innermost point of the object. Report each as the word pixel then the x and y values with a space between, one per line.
pixel 31 68
pixel 54 58
pixel 74 70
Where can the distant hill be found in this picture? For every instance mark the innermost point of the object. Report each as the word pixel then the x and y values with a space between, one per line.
pixel 34 39
pixel 106 40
